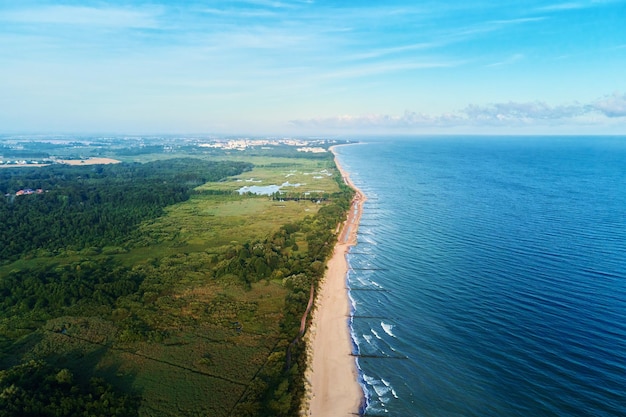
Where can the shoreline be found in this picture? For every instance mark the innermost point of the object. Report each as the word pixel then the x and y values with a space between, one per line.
pixel 332 377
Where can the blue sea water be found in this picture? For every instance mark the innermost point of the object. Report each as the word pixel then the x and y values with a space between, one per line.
pixel 489 278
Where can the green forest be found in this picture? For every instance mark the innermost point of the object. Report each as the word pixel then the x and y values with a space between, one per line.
pixel 82 206
pixel 138 289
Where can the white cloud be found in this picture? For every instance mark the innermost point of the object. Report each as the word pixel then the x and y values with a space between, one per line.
pixel 563 6
pixel 574 5
pixel 240 13
pixel 611 106
pixel 268 3
pixel 518 21
pixel 383 121
pixel 381 52
pixel 408 119
pixel 384 67
pixel 511 114
pixel 85 16
pixel 519 112
pixel 508 61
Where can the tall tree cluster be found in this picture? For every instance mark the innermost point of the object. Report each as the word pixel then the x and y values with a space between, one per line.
pixel 77 207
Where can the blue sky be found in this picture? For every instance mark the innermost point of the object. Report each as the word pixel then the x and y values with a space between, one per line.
pixel 313 67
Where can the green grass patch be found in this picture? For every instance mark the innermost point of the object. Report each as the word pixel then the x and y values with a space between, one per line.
pixel 208 312
pixel 312 175
pixel 207 222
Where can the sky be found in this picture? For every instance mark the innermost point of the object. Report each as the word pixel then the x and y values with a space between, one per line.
pixel 298 67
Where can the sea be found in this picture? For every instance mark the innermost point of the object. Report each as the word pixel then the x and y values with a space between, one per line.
pixel 489 277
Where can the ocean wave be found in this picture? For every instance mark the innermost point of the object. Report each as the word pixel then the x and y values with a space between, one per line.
pixel 381 389
pixel 367 239
pixel 356 346
pixel 352 303
pixel 387 328
pixel 393 391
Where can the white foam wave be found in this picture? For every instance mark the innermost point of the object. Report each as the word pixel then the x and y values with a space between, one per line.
pixel 387 328
pixel 375 333
pixel 367 240
pixel 367 338
pixel 369 379
pixel 388 384
pixel 381 390
pixel 352 302
pixel 355 340
pixel 376 410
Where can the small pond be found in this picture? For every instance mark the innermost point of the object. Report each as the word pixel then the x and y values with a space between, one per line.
pixel 264 189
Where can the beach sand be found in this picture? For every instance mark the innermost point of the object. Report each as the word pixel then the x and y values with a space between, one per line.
pixel 331 376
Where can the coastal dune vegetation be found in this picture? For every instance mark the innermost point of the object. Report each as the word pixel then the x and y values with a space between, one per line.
pixel 155 288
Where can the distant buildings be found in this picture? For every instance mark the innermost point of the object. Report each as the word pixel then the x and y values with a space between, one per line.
pixel 311 149
pixel 27 191
pixel 25 162
pixel 243 144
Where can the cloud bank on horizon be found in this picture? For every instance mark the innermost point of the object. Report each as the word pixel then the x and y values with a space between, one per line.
pixel 504 115
pixel 306 67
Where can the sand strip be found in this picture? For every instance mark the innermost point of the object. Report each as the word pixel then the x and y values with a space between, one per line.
pixel 331 376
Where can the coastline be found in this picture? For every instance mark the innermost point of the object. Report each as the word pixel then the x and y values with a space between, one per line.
pixel 332 378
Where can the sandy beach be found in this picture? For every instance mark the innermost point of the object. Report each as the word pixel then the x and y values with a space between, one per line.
pixel 332 377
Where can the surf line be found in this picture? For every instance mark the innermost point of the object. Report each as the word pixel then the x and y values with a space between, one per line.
pixel 360 355
pixel 367 289
pixel 369 269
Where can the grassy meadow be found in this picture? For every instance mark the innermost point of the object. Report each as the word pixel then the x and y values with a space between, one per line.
pixel 199 337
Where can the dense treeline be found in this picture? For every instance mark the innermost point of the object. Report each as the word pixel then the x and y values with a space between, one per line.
pixel 279 387
pixel 81 206
pixel 271 258
pixel 88 286
pixel 37 389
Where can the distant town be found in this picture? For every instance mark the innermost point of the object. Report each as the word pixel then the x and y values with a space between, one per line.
pixel 32 151
pixel 243 144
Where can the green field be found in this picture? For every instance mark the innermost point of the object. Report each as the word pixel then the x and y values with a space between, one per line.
pixel 221 282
